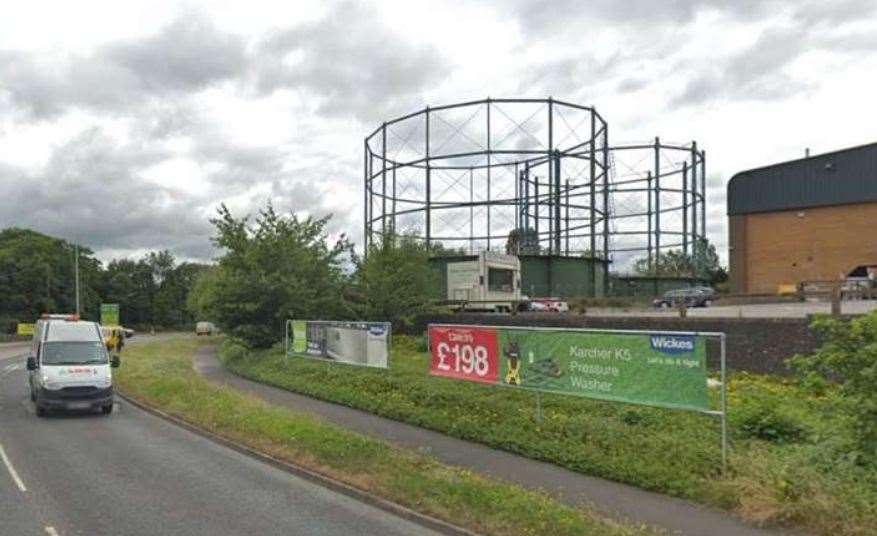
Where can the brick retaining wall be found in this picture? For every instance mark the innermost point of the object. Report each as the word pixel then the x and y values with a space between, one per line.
pixel 758 345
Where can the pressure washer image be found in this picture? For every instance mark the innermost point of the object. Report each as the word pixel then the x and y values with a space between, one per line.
pixel 512 354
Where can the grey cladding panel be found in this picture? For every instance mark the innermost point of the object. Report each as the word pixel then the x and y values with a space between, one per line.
pixel 838 178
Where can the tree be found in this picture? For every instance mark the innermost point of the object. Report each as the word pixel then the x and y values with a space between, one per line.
pixel 276 268
pixel 672 263
pixel 522 242
pixel 37 276
pixel 396 281
pixel 702 263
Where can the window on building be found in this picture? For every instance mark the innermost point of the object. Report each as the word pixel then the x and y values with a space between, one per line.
pixel 500 280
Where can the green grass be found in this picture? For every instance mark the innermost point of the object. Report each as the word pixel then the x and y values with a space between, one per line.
pixel 792 462
pixel 160 374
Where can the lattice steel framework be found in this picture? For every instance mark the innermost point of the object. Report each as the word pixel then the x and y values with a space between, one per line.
pixel 466 174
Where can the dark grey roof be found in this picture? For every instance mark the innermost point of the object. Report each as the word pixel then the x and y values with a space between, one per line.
pixel 838 178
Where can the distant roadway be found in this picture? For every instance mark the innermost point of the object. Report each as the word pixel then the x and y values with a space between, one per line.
pixel 759 310
pixel 134 474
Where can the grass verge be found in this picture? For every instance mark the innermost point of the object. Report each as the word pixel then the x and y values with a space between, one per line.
pixel 160 375
pixel 792 460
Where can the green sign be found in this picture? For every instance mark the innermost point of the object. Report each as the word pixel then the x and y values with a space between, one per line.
pixel 25 329
pixel 109 314
pixel 656 369
pixel 299 336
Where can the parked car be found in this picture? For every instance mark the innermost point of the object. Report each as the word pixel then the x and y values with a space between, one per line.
pixel 690 297
pixel 537 306
pixel 554 305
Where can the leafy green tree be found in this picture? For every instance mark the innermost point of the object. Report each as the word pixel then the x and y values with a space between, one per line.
pixel 396 281
pixel 703 263
pixel 706 260
pixel 848 356
pixel 672 263
pixel 523 242
pixel 275 268
pixel 37 276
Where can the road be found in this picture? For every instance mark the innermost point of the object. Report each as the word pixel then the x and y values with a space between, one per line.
pixel 132 473
pixel 759 310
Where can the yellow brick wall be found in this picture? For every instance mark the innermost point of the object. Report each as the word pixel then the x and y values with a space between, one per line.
pixel 776 248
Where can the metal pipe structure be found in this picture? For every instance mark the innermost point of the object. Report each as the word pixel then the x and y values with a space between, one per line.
pixel 468 174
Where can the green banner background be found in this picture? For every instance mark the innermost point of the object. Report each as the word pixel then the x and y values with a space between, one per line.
pixel 610 366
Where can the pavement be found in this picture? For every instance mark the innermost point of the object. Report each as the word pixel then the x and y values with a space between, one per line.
pixel 756 310
pixel 135 474
pixel 616 500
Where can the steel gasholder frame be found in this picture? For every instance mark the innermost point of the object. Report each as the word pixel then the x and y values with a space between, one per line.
pixel 466 174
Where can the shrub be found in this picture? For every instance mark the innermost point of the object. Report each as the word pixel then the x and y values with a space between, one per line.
pixel 848 356
pixel 762 417
pixel 233 350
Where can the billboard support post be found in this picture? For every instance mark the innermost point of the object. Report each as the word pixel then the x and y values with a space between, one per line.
pixel 539 407
pixel 724 409
pixel 286 338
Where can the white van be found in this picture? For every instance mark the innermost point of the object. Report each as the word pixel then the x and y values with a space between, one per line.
pixel 204 328
pixel 69 366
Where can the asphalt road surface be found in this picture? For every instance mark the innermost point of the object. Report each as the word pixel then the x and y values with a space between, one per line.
pixel 759 310
pixel 132 473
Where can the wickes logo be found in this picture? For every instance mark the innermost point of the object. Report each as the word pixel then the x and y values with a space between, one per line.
pixel 672 344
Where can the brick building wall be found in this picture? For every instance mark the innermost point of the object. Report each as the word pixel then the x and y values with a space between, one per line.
pixel 810 244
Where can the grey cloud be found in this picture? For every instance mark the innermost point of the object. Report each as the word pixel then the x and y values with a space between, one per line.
pixel 185 56
pixel 89 192
pixel 629 85
pixel 543 17
pixel 756 73
pixel 565 77
pixel 818 12
pixel 188 54
pixel 351 63
pixel 553 17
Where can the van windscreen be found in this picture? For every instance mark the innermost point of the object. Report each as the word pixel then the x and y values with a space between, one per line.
pixel 73 331
pixel 73 353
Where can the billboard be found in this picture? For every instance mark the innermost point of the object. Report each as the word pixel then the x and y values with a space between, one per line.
pixel 109 314
pixel 655 369
pixel 354 343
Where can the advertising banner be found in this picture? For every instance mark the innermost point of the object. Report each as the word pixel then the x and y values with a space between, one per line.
pixel 655 369
pixel 109 314
pixel 25 330
pixel 354 343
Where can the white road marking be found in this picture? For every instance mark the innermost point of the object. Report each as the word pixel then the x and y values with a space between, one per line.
pixel 51 531
pixel 11 469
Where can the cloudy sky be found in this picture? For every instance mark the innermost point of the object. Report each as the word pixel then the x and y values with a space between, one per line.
pixel 124 124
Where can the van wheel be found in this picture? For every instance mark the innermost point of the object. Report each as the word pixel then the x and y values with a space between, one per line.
pixel 106 410
pixel 707 303
pixel 41 411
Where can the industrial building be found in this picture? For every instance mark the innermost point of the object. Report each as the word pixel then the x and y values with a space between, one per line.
pixel 813 219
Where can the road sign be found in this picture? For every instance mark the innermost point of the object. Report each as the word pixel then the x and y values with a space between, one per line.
pixel 109 314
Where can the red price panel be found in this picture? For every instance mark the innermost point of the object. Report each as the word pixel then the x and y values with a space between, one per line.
pixel 464 353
